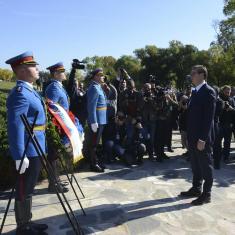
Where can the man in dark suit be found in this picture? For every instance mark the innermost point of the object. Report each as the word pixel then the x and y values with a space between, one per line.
pixel 200 134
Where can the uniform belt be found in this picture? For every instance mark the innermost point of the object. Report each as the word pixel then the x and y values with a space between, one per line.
pixel 101 108
pixel 40 128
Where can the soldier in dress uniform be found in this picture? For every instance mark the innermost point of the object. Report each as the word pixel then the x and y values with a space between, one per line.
pixel 97 116
pixel 55 90
pixel 56 93
pixel 23 99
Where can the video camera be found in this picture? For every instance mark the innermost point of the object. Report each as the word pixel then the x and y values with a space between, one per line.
pixel 124 74
pixel 77 64
pixel 152 79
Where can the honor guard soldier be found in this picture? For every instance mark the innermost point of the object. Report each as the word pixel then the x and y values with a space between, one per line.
pixel 56 93
pixel 97 116
pixel 23 99
pixel 55 90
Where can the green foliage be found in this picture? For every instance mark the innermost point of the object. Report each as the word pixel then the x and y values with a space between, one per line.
pixel 6 163
pixel 226 34
pixel 105 62
pixel 6 75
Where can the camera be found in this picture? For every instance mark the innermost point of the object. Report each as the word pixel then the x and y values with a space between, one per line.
pixel 124 74
pixel 226 105
pixel 152 79
pixel 78 64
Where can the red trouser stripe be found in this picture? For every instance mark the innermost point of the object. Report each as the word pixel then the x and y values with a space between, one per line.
pixel 94 139
pixel 21 187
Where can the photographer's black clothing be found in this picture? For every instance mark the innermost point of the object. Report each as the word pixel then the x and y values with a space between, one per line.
pixel 227 117
pixel 137 147
pixel 217 148
pixel 111 99
pixel 161 138
pixel 114 141
pixel 148 112
pixel 130 103
pixel 224 126
pixel 77 97
pixel 172 124
pixel 183 119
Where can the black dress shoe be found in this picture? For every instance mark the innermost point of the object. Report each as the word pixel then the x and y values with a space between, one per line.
pixel 102 165
pixel 139 162
pixel 96 168
pixel 203 199
pixel 159 159
pixel 217 166
pixel 28 230
pixel 39 227
pixel 191 193
pixel 165 156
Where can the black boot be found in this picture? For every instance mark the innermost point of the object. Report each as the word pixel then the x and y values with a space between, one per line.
pixel 139 160
pixel 36 226
pixel 192 192
pixel 95 166
pixel 159 158
pixel 52 184
pixel 23 216
pixel 202 199
pixel 164 156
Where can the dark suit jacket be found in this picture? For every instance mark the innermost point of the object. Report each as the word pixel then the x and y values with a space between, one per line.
pixel 200 116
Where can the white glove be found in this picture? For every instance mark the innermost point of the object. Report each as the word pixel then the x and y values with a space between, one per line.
pixel 24 166
pixel 94 127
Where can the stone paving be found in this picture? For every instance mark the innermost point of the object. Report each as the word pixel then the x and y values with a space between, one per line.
pixel 139 201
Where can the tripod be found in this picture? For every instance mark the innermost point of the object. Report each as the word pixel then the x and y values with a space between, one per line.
pixel 65 204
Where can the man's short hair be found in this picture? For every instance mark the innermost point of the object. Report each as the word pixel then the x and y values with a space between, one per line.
pixel 225 87
pixel 201 69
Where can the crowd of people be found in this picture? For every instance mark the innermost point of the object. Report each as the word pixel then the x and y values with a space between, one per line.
pixel 123 123
pixel 141 121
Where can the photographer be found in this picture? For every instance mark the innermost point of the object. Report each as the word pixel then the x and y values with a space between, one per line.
pixel 120 81
pixel 164 104
pixel 226 122
pixel 115 141
pixel 183 105
pixel 77 94
pixel 217 148
pixel 137 144
pixel 111 95
pixel 148 111
pixel 111 100
pixel 129 105
pixel 172 121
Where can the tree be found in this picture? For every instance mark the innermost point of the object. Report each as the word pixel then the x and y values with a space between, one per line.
pixel 226 34
pixel 6 75
pixel 107 63
pixel 131 64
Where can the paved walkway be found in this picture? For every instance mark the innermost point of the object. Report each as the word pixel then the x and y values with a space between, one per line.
pixel 139 201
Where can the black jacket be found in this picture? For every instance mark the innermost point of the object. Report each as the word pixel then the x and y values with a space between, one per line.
pixel 200 116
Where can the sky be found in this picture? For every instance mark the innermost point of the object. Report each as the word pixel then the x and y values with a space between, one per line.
pixel 60 30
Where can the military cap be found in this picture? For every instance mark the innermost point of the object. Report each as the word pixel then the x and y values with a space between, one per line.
pixel 24 58
pixel 58 67
pixel 97 71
